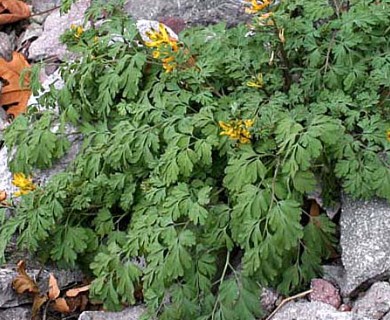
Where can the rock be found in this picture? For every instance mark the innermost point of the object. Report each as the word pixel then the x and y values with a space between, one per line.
pixel 5 174
pixel 44 5
pixel 41 9
pixel 268 300
pixel 386 317
pixel 325 292
pixel 203 12
pixel 375 303
pixel 132 313
pixel 364 240
pixel 305 310
pixel 6 47
pixel 48 44
pixel 9 298
pixel 333 274
pixel 18 313
pixel 33 31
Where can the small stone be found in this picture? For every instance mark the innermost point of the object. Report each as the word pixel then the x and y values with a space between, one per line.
pixel 268 299
pixel 325 292
pixel 376 301
pixel 132 313
pixel 345 307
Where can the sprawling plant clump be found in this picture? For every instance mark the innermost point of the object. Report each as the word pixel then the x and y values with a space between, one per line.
pixel 198 153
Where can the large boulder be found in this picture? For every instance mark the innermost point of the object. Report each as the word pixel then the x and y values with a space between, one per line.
pixel 365 239
pixel 191 11
pixel 304 310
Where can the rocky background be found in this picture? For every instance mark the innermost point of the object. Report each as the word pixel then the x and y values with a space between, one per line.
pixel 355 286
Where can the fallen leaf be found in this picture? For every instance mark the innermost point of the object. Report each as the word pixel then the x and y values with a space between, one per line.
pixel 13 10
pixel 13 97
pixel 60 305
pixel 54 291
pixel 74 292
pixel 314 209
pixel 37 304
pixel 23 281
pixel 3 195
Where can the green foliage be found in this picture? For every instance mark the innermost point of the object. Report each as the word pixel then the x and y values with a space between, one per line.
pixel 212 219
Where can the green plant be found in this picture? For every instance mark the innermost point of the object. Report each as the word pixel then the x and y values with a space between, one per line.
pixel 203 171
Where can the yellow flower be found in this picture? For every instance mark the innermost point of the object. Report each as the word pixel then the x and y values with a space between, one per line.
pixel 388 135
pixel 237 130
pixel 164 45
pixel 25 184
pixel 256 6
pixel 78 30
pixel 257 82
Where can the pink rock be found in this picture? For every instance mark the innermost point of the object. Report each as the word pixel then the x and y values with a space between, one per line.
pixel 48 44
pixel 326 292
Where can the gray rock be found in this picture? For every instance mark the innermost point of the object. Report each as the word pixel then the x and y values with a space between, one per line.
pixel 6 47
pixel 9 298
pixel 305 310
pixel 41 9
pixel 387 316
pixel 43 5
pixel 268 299
pixel 375 303
pixel 132 313
pixel 333 273
pixel 365 238
pixel 18 313
pixel 192 11
pixel 48 44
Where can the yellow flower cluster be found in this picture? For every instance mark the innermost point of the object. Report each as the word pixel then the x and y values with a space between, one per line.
pixel 77 31
pixel 388 135
pixel 164 45
pixel 257 82
pixel 25 184
pixel 256 6
pixel 237 130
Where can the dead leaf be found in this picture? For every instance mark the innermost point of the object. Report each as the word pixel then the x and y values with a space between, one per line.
pixel 37 304
pixel 54 291
pixel 74 292
pixel 13 97
pixel 60 305
pixel 12 11
pixel 23 281
pixel 3 195
pixel 314 209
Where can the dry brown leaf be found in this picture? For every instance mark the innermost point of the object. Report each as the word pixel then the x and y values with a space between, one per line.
pixel 74 292
pixel 23 281
pixel 54 291
pixel 13 97
pixel 37 304
pixel 3 195
pixel 12 11
pixel 314 209
pixel 60 305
